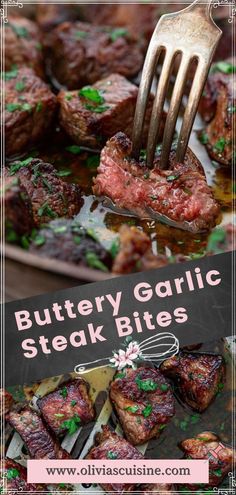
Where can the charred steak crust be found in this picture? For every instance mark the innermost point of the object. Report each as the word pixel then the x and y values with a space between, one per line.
pixel 70 400
pixel 18 210
pixel 39 441
pixel 90 123
pixel 179 195
pixel 50 195
pixel 6 400
pixel 144 403
pixel 23 44
pixel 218 109
pixel 197 376
pixel 67 240
pixel 203 446
pixel 82 54
pixel 18 482
pixel 109 445
pixel 29 110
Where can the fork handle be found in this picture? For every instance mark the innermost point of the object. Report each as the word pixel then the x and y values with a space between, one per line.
pixel 199 5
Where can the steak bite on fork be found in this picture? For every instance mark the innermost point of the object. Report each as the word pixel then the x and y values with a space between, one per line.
pixel 198 377
pixel 143 401
pixel 207 445
pixel 67 407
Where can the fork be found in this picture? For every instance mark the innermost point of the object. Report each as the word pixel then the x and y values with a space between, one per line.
pixel 192 34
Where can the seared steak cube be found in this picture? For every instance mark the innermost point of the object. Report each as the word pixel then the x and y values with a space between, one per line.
pixel 135 253
pixel 50 196
pixel 144 403
pixel 40 443
pixel 219 110
pixel 16 478
pixel 95 113
pixel 6 400
pixel 23 45
pixel 83 54
pixel 67 407
pixel 29 110
pixel 221 239
pixel 109 445
pixel 179 195
pixel 221 457
pixel 199 377
pixel 18 210
pixel 67 240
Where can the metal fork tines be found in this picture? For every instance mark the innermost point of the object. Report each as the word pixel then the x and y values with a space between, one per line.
pixel 193 35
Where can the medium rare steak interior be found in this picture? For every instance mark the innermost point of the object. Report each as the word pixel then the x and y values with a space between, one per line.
pixel 67 407
pixel 198 377
pixel 179 195
pixel 143 401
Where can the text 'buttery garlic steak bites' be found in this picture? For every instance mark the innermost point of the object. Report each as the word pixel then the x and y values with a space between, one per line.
pixel 180 194
pixel 95 113
pixel 82 53
pixel 207 445
pixel 29 110
pixel 218 108
pixel 50 196
pixel 198 377
pixel 67 407
pixel 23 45
pixel 144 402
pixel 109 445
pixel 39 441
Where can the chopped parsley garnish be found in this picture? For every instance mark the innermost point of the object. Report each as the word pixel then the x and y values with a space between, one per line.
pixel 132 409
pixel 20 86
pixel 63 392
pixel 77 239
pixel 98 108
pixel 115 247
pixel 94 262
pixel 46 210
pixel 72 424
pixel 120 375
pixel 73 403
pixel 63 173
pixel 147 410
pixel 20 31
pixel 220 145
pixel 93 161
pixel 58 415
pixel 12 473
pixel 231 109
pixel 170 178
pixel 153 198
pixel 146 385
pixel 112 455
pixel 118 33
pixel 216 241
pixel 68 97
pixel 76 150
pixel 81 34
pixel 39 106
pixel 17 165
pixel 39 240
pixel 11 74
pixel 217 472
pixel 91 94
pixel 60 229
pixel 203 138
pixel 12 107
pixel 225 67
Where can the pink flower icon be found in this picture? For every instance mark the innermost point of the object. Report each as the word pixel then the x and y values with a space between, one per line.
pixel 122 358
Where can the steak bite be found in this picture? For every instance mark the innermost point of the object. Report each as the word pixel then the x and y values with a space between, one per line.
pixel 197 376
pixel 67 240
pixel 40 443
pixel 144 403
pixel 16 478
pixel 18 210
pixel 109 445
pixel 50 196
pixel 218 107
pixel 221 240
pixel 82 54
pixel 67 407
pixel 29 110
pixel 23 44
pixel 135 253
pixel 179 195
pixel 207 445
pixel 95 113
pixel 6 400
